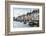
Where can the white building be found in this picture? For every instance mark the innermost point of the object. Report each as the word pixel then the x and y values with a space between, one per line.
pixel 35 14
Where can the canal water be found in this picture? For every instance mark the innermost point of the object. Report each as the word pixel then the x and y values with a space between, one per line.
pixel 20 24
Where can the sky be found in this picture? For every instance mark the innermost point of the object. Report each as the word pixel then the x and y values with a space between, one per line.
pixel 19 11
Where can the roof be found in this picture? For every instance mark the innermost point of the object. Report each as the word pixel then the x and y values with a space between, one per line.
pixel 35 11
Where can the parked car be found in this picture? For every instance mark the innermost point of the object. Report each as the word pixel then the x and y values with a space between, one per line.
pixel 36 23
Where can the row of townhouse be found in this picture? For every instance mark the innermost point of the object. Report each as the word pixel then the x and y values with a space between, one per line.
pixel 34 15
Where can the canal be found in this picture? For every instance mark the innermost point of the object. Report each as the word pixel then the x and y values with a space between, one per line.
pixel 20 24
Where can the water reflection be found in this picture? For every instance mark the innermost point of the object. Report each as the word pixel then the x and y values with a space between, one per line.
pixel 22 25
